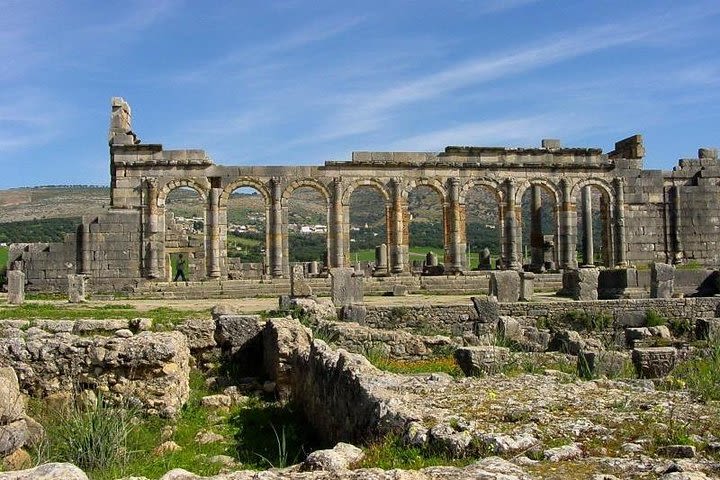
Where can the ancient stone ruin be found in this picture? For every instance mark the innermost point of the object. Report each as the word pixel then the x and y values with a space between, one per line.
pixel 647 215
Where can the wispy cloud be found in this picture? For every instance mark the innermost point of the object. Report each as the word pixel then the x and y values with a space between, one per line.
pixel 368 111
pixel 29 119
pixel 315 32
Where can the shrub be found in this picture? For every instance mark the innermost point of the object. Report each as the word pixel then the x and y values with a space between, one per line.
pixel 654 319
pixel 701 375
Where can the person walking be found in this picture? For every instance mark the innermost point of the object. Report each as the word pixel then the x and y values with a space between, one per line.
pixel 180 269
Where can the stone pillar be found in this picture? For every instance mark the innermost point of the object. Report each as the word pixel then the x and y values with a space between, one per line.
pixel 527 286
pixel 511 229
pixel 16 287
pixel 381 257
pixel 620 242
pixel 397 229
pixel 336 230
pixel 588 254
pixel 675 225
pixel 77 286
pixel 313 268
pixel 153 268
pixel 85 248
pixel 537 241
pixel 662 280
pixel 276 230
pixel 346 288
pixel 214 233
pixel 457 260
pixel 567 227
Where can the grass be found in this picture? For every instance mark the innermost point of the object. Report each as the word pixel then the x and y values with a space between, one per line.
pixel 162 317
pixel 654 319
pixel 429 365
pixel 390 452
pixel 133 437
pixel 700 375
pixel 3 262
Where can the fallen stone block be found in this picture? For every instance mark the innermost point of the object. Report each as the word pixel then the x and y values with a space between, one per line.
pixel 481 360
pixel 654 362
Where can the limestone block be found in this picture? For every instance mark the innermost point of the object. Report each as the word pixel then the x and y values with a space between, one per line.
pixel 285 341
pixel 505 286
pixel 487 309
pixel 12 436
pixel 654 362
pixel 341 457
pixel 527 289
pixel 486 359
pixel 353 313
pixel 593 363
pixel 76 288
pixel 48 471
pixel 509 329
pixel 708 329
pixel 399 290
pixel 16 287
pixel 298 284
pixel 662 280
pixel 200 333
pixel 12 402
pixel 581 284
pixel 567 341
pixel 345 287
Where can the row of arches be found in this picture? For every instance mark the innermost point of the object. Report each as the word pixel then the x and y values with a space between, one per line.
pixel 528 227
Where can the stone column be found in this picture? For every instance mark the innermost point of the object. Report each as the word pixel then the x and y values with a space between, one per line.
pixel 276 233
pixel 457 242
pixel 537 241
pixel 567 227
pixel 675 225
pixel 511 228
pixel 588 254
pixel 397 228
pixel 336 230
pixel 85 248
pixel 152 228
pixel 381 258
pixel 620 243
pixel 214 233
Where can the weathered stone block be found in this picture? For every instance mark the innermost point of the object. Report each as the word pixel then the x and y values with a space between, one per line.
pixel 399 290
pixel 353 313
pixel 662 280
pixel 346 288
pixel 581 284
pixel 487 309
pixel 567 341
pixel 481 360
pixel 593 363
pixel 77 285
pixel 527 286
pixel 708 329
pixel 240 340
pixel 299 287
pixel 654 362
pixel 16 287
pixel 509 329
pixel 505 286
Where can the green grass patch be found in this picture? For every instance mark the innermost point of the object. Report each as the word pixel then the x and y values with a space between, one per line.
pixel 162 316
pixel 390 452
pixel 654 319
pixel 3 264
pixel 429 365
pixel 700 375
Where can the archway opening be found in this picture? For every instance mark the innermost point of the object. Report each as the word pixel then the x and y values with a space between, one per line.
pixel 483 227
pixel 594 245
pixel 246 233
pixel 368 228
pixel 185 235
pixel 426 230
pixel 307 226
pixel 539 229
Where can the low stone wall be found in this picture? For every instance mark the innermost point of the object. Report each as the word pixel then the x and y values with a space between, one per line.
pixel 621 310
pixel 396 344
pixel 150 370
pixel 343 396
pixel 445 319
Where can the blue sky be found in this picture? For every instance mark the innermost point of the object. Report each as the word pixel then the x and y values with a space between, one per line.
pixel 301 82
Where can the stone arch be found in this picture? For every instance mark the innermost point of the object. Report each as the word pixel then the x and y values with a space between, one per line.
pixel 489 184
pixel 602 185
pixel 244 182
pixel 373 183
pixel 306 182
pixel 547 185
pixel 192 183
pixel 433 183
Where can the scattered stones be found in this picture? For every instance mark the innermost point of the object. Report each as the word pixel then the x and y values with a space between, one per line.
pixel 677 451
pixel 166 447
pixel 572 451
pixel 341 457
pixel 204 437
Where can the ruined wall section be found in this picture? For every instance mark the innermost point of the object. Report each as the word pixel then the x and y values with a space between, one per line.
pixel 693 197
